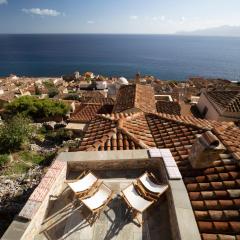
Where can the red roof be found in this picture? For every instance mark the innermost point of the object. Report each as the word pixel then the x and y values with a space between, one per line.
pixel 87 111
pixel 225 101
pixel 137 96
pixel 168 107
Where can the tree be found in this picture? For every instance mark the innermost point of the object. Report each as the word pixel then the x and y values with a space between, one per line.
pixel 37 90
pixel 52 92
pixel 15 132
pixel 72 96
pixel 37 108
pixel 48 84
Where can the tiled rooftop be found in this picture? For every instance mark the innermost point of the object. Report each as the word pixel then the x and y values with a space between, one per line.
pixel 91 94
pixel 90 107
pixel 8 96
pixel 215 196
pixel 135 97
pixel 201 82
pixel 214 192
pixel 87 111
pixel 98 100
pixel 228 101
pixel 168 107
pixel 145 130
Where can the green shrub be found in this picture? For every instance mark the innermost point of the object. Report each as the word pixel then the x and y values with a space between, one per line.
pixel 59 135
pixel 52 92
pixel 17 168
pixel 37 108
pixel 37 90
pixel 48 84
pixel 72 97
pixel 32 157
pixel 14 133
pixel 4 158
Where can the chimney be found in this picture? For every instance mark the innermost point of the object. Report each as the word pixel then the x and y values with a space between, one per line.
pixel 205 150
pixel 137 78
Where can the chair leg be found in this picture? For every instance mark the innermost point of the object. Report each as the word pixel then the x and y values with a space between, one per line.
pixel 135 215
pixel 139 221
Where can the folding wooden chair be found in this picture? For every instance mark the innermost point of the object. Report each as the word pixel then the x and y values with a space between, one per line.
pixel 150 186
pixel 98 201
pixel 88 181
pixel 136 203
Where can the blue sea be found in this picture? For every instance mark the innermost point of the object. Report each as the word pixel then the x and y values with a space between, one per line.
pixel 164 56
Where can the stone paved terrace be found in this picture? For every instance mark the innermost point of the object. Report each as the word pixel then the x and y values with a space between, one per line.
pixel 65 221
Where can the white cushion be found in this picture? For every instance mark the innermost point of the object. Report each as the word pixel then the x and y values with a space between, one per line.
pixel 83 184
pixel 151 186
pixel 99 197
pixel 135 200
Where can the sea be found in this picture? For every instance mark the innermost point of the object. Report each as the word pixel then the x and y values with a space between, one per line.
pixel 168 57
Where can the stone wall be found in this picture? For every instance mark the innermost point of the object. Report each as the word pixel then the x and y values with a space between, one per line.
pixel 110 164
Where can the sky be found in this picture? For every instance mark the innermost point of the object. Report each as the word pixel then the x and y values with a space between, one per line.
pixel 113 16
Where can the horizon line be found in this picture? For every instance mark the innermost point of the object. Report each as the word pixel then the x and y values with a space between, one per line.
pixel 149 34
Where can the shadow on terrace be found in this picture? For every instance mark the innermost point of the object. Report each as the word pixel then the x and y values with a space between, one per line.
pixel 66 219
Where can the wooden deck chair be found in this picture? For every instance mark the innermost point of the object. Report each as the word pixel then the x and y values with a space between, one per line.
pixel 98 201
pixel 136 203
pixel 150 186
pixel 88 181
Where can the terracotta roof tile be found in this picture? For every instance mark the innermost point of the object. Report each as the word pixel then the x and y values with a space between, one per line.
pixel 135 96
pixel 230 137
pixel 87 111
pixel 228 101
pixel 102 134
pixel 168 107
pixel 98 100
pixel 86 95
pixel 206 236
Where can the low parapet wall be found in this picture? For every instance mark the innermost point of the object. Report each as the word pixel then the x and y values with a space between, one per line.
pixel 114 160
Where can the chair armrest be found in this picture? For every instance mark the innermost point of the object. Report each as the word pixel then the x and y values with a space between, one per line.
pixel 84 173
pixel 153 177
pixel 70 181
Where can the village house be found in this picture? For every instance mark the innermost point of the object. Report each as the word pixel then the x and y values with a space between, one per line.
pixel 220 105
pixel 89 75
pixel 6 98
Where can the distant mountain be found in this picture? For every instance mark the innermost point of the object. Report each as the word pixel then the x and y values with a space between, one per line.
pixel 228 31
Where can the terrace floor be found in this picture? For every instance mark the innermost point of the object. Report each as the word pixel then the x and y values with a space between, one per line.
pixel 65 221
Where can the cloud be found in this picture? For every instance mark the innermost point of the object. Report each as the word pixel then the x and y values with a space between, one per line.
pixel 41 12
pixel 3 2
pixel 154 18
pixel 90 22
pixel 133 17
pixel 182 20
pixel 162 18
